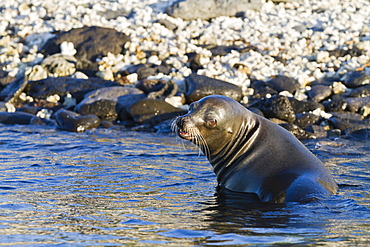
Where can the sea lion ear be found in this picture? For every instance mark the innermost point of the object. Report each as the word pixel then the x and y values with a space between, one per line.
pixel 229 130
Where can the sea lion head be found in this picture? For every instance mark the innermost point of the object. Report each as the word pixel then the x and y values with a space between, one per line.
pixel 210 123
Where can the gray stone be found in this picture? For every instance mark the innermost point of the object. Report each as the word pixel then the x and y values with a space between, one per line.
pixel 153 111
pixel 90 42
pixel 208 9
pixel 357 79
pixel 109 102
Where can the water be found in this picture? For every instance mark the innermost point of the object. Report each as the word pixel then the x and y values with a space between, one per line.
pixel 113 188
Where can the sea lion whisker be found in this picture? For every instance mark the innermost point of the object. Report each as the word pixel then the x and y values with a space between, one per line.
pixel 202 142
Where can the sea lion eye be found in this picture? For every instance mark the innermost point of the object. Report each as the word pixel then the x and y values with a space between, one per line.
pixel 212 122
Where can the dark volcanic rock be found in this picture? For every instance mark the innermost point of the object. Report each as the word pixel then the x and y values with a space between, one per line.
pixel 16 118
pixel 199 86
pixel 356 104
pixel 63 85
pixel 71 121
pixel 106 109
pixel 109 102
pixel 283 83
pixel 90 42
pixel 357 79
pixel 157 89
pixel 363 91
pixel 317 131
pixel 347 120
pixel 304 106
pixel 335 105
pixel 303 120
pixel 153 111
pixel 261 90
pixel 277 106
pixel 297 131
pixel 319 92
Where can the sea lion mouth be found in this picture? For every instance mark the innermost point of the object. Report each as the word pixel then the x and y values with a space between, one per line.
pixel 185 135
pixel 190 132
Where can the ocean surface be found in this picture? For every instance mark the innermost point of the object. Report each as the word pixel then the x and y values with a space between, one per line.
pixel 110 187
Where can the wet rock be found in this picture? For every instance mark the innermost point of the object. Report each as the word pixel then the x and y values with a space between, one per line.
pixel 106 124
pixel 303 120
pixel 105 109
pixel 363 91
pixel 301 106
pixel 153 111
pixel 357 79
pixel 199 86
pixel 194 9
pixel 13 90
pixel 347 120
pixel 64 85
pixel 157 89
pixel 90 42
pixel 110 102
pixel 319 92
pixel 164 127
pixel 71 121
pixel 297 131
pixel 359 134
pixel 277 106
pixel 357 104
pixel 16 118
pixel 283 83
pixel 317 131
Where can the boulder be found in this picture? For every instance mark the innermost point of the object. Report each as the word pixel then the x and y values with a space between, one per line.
pixel 199 86
pixel 72 121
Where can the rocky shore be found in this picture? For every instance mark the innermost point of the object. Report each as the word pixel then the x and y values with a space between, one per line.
pixel 137 65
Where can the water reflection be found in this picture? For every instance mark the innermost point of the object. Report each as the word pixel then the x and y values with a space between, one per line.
pixel 114 187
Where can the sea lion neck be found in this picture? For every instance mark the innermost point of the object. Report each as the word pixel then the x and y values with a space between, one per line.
pixel 226 160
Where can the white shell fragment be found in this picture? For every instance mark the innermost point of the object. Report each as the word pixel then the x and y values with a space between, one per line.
pixel 292 38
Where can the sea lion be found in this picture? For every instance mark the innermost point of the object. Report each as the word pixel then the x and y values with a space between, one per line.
pixel 252 154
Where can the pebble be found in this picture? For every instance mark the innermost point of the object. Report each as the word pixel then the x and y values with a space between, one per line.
pixel 63 47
